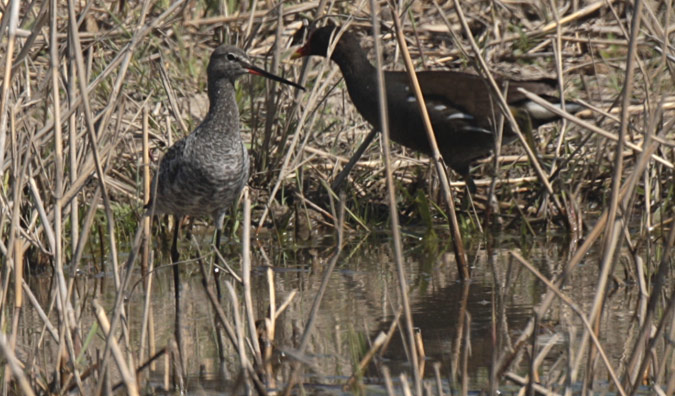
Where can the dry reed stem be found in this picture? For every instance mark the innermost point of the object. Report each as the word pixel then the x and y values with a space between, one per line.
pixel 48 229
pixel 285 167
pixel 50 206
pixel 646 330
pixel 648 350
pixel 614 223
pixel 239 332
pixel 120 284
pixel 270 329
pixel 589 241
pixel 668 350
pixel 284 304
pixel 586 322
pixel 365 361
pixel 117 307
pixel 389 385
pixel 246 280
pixel 69 325
pixel 437 376
pixel 589 9
pixel 392 328
pixel 542 355
pixel 220 313
pixel 436 157
pixel 498 316
pixel 14 366
pixel 226 267
pixel 147 364
pixel 626 193
pixel 391 197
pixel 12 18
pixel 147 323
pixel 171 95
pixel 419 344
pixel 466 351
pixel 49 327
pixel 316 304
pixel 557 51
pixel 19 251
pixel 405 386
pixel 93 144
pixel 462 329
pixel 524 382
pixel 128 375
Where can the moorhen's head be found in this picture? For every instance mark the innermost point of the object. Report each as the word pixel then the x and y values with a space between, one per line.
pixel 231 62
pixel 319 40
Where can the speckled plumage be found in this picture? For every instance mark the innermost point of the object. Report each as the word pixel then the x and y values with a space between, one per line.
pixel 203 173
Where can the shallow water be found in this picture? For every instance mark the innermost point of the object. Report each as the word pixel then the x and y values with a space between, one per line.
pixel 361 300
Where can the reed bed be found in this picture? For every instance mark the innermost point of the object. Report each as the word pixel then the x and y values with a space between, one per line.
pixel 93 94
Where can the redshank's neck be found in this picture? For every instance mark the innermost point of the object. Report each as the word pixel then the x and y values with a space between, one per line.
pixel 223 108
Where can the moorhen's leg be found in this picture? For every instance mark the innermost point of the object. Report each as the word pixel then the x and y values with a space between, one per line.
pixel 470 184
pixel 219 232
pixel 339 180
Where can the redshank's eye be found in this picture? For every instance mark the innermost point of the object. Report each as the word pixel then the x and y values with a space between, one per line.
pixel 231 57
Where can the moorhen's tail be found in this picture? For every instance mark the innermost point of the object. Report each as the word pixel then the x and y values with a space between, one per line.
pixel 539 115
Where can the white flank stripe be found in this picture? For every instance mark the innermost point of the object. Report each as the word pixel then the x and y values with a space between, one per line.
pixel 460 116
pixel 538 111
pixel 477 129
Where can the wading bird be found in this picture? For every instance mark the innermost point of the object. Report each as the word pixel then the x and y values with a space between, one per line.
pixel 461 106
pixel 204 173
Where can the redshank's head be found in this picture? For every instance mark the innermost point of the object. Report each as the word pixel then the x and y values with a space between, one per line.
pixel 231 62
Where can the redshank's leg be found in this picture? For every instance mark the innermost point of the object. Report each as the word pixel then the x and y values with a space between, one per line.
pixel 220 219
pixel 177 287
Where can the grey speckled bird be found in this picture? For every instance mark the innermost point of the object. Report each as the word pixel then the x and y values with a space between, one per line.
pixel 203 173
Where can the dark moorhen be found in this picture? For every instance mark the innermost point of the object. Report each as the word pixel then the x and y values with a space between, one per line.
pixel 461 106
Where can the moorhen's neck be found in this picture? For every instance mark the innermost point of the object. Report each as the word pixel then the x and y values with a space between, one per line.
pixel 223 108
pixel 351 58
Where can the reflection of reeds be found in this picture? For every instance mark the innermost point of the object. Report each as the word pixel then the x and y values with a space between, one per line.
pixel 79 86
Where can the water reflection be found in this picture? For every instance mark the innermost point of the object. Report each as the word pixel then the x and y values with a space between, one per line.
pixel 362 300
